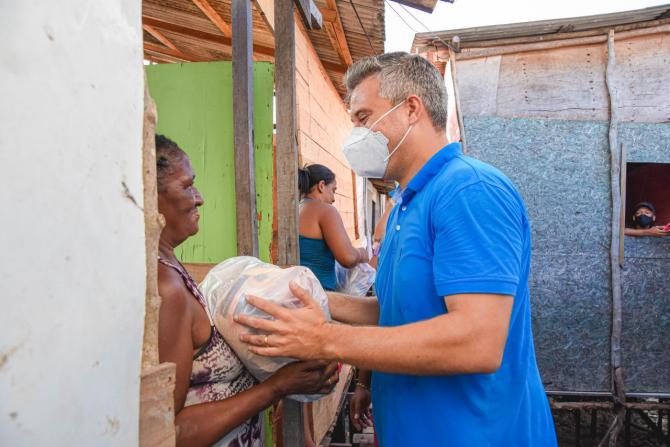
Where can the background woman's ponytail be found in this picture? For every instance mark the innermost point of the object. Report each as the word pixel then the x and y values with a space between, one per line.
pixel 303 181
pixel 312 175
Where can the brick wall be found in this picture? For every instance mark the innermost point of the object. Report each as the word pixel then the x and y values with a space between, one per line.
pixel 323 124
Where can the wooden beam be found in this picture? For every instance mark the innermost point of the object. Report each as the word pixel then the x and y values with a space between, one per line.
pixel 310 13
pixel 457 99
pixel 159 36
pixel 328 14
pixel 157 49
pixel 214 16
pixel 243 125
pixel 202 35
pixel 337 36
pixel 267 10
pixel 542 46
pixel 422 5
pixel 159 59
pixel 618 386
pixel 287 178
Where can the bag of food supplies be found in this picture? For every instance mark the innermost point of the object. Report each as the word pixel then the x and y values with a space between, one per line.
pixel 226 287
pixel 355 281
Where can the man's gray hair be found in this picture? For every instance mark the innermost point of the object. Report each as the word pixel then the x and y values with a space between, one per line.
pixel 400 75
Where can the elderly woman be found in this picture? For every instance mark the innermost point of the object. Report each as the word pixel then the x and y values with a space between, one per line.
pixel 217 401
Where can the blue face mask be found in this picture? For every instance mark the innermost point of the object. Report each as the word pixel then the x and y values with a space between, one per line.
pixel 644 221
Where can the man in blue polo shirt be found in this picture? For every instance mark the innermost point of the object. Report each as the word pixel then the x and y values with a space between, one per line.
pixel 453 356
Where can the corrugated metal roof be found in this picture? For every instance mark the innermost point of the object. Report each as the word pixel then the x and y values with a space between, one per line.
pixel 472 37
pixel 198 39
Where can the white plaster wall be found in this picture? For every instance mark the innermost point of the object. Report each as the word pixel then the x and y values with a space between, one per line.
pixel 72 270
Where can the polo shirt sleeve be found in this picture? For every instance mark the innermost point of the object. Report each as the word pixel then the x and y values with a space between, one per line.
pixel 479 239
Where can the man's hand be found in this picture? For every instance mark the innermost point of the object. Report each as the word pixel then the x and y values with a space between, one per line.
pixel 297 333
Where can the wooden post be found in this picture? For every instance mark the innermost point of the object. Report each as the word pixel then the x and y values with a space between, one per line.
pixel 287 178
pixel 157 380
pixel 615 266
pixel 243 118
pixel 622 216
pixel 459 114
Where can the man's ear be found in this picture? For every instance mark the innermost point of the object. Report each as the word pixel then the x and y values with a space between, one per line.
pixel 416 108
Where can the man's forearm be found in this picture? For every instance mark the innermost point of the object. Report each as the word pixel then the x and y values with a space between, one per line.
pixel 353 310
pixel 448 344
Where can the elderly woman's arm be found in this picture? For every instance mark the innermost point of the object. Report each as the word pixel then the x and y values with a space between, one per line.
pixel 204 424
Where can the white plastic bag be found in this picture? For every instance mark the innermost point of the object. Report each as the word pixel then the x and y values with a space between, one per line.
pixel 226 287
pixel 355 281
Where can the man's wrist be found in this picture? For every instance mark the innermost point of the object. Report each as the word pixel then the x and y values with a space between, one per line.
pixel 329 341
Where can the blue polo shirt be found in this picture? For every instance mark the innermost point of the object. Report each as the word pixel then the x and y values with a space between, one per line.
pixel 460 227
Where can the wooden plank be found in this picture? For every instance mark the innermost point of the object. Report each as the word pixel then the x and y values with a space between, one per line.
pixel 310 13
pixel 422 5
pixel 214 16
pixel 618 386
pixel 202 35
pixel 459 114
pixel 243 119
pixel 287 179
pixel 157 406
pixel 159 50
pixel 337 36
pixel 153 225
pixel 622 214
pixel 159 36
pixel 541 46
pixel 564 83
pixel 478 85
pixel 287 149
pixel 326 410
pixel 644 96
pixel 498 42
pixel 267 10
pixel 198 271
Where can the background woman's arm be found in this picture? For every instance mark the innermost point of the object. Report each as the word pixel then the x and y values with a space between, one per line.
pixel 337 239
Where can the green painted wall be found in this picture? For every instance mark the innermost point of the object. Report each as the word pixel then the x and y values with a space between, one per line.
pixel 195 109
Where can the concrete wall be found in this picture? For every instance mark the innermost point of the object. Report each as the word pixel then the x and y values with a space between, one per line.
pixel 323 125
pixel 73 269
pixel 541 117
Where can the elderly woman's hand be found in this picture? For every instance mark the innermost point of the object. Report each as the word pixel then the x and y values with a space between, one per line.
pixel 312 377
pixel 297 333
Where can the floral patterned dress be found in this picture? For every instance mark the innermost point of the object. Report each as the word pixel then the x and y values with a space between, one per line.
pixel 218 374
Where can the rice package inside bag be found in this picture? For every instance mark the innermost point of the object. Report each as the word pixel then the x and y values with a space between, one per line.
pixel 226 287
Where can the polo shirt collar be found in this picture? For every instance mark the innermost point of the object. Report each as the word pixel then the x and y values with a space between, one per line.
pixel 430 170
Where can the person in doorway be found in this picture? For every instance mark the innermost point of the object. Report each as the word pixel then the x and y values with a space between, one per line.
pixel 644 217
pixel 323 238
pixel 216 400
pixel 453 356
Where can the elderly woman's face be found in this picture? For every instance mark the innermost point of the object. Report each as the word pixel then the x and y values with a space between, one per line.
pixel 178 201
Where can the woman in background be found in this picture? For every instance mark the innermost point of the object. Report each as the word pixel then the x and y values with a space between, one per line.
pixel 323 239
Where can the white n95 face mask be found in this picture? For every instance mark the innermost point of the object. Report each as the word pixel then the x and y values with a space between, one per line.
pixel 367 151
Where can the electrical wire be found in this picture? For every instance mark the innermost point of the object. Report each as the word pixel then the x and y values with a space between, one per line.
pixel 360 22
pixel 401 17
pixel 432 33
